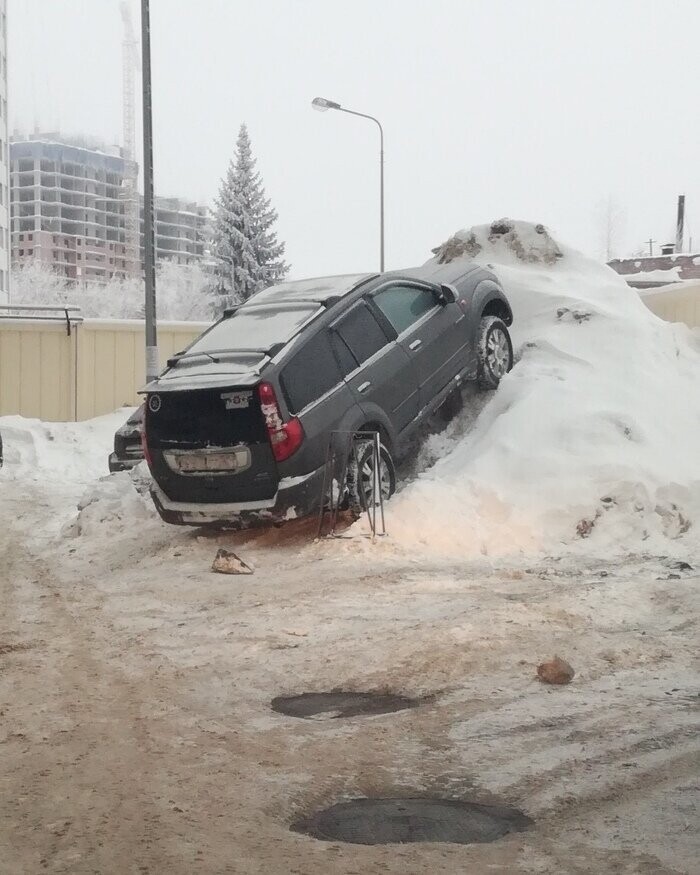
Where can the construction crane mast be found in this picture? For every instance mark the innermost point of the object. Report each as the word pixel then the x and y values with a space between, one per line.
pixel 131 66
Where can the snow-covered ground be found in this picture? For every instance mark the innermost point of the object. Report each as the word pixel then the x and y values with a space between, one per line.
pixel 136 733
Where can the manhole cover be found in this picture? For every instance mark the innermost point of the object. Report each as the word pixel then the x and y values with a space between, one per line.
pixel 389 821
pixel 339 704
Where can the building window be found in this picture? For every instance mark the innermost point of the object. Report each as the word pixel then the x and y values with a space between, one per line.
pixel 30 236
pixel 21 252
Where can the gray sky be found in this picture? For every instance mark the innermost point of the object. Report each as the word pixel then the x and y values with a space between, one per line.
pixel 532 109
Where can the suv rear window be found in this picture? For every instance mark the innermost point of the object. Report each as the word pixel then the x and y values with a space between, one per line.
pixel 312 372
pixel 256 328
pixel 363 335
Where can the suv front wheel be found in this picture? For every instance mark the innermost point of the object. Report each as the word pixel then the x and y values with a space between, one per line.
pixel 495 352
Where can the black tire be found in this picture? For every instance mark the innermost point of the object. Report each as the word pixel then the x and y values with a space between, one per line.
pixel 360 475
pixel 494 351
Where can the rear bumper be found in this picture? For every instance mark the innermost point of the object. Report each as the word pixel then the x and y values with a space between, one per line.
pixel 118 464
pixel 295 497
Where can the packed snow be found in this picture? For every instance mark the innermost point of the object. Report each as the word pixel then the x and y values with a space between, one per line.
pixel 592 437
pixel 125 656
pixel 588 446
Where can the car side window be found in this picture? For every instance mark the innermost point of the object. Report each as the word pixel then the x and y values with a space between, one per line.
pixel 404 305
pixel 362 335
pixel 312 372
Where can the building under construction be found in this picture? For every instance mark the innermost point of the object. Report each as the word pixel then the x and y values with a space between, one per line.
pixel 68 207
pixel 4 160
pixel 70 210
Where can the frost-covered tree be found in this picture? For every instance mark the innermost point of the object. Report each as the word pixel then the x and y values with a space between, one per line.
pixel 245 248
pixel 183 293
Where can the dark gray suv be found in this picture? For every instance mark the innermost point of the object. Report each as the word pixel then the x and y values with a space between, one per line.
pixel 239 424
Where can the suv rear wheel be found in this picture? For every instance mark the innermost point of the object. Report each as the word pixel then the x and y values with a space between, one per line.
pixel 361 471
pixel 495 352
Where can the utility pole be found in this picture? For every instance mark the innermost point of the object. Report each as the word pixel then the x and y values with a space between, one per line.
pixel 651 245
pixel 152 368
pixel 680 223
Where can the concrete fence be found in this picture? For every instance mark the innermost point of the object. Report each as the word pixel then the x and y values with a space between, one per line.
pixel 61 368
pixel 678 302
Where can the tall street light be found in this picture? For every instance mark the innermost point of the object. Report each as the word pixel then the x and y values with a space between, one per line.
pixel 321 104
pixel 152 368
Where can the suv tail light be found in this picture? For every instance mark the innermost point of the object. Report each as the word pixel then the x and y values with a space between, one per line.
pixel 285 437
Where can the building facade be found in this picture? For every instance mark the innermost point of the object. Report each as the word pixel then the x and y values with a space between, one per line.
pixel 70 202
pixel 68 207
pixel 182 230
pixel 4 163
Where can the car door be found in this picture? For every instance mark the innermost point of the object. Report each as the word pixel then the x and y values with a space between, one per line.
pixel 432 333
pixel 377 368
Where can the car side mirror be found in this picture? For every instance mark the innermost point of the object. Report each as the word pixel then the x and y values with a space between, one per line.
pixel 447 294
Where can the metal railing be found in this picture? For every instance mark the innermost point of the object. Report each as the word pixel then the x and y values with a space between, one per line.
pixel 69 315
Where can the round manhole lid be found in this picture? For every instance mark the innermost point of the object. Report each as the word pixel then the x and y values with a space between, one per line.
pixel 343 704
pixel 389 821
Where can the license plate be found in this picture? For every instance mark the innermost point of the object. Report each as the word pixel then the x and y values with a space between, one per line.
pixel 213 462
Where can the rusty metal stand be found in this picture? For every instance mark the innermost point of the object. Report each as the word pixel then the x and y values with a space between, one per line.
pixel 342 447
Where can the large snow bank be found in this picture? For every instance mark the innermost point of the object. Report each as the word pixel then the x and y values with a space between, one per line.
pixel 64 453
pixel 595 432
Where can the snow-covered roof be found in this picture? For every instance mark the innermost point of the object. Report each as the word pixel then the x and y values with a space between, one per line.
pixel 314 289
pixel 437 273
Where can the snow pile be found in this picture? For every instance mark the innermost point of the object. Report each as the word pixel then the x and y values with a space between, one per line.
pixel 116 502
pixel 590 442
pixel 68 454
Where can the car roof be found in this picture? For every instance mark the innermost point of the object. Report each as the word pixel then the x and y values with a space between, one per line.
pixel 315 289
pixel 433 272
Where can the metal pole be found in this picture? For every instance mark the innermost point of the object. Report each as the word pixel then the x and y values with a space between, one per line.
pixel 381 197
pixel 680 222
pixel 152 368
pixel 381 176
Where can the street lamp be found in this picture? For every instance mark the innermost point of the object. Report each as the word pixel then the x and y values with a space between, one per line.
pixel 322 105
pixel 149 245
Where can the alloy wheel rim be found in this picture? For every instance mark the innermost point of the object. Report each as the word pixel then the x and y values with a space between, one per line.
pixel 497 353
pixel 366 479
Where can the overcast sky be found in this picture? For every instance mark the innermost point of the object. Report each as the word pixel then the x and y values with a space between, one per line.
pixel 534 109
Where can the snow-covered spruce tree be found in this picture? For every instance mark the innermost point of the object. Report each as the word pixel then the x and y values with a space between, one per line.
pixel 245 248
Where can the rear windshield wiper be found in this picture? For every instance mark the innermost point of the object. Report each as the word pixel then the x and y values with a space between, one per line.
pixel 186 355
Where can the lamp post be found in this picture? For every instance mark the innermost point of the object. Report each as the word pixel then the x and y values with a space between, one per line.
pixel 321 104
pixel 152 368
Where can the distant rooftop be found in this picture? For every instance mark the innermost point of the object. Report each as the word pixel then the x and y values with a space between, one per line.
pixel 90 144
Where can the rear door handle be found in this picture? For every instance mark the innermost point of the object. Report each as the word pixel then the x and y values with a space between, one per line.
pixel 363 387
pixel 415 344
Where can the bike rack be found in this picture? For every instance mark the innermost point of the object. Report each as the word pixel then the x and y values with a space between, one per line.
pixel 342 447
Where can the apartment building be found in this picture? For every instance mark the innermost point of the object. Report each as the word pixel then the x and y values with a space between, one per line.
pixel 182 230
pixel 4 163
pixel 68 206
pixel 70 210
